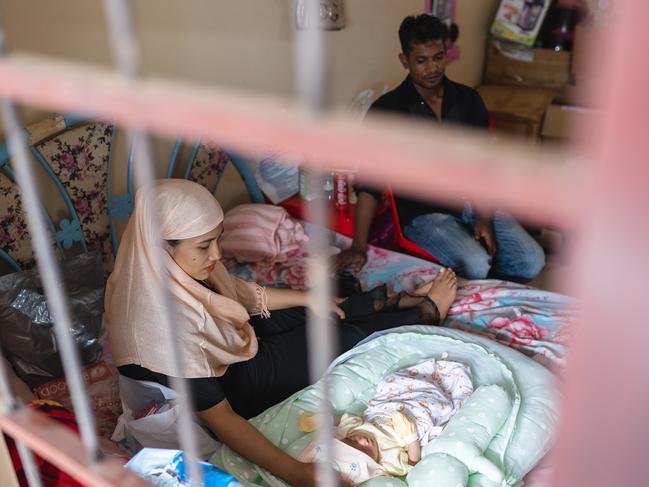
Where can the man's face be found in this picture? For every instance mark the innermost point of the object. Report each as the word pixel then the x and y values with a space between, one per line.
pixel 426 63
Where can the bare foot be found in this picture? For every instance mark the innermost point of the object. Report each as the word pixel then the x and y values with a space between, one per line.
pixel 442 290
pixel 423 289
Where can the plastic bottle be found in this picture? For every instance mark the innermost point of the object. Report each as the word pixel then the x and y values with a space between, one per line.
pixel 340 190
pixel 305 185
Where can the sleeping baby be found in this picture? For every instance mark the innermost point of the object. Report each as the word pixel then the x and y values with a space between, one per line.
pixel 410 407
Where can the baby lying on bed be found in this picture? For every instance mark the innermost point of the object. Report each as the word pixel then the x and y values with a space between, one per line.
pixel 410 407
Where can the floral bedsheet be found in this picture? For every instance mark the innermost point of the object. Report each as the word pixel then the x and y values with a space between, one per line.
pixel 530 320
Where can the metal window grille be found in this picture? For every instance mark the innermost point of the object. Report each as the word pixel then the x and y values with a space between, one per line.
pixel 602 192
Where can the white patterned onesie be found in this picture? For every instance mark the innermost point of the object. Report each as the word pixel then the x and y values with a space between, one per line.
pixel 428 393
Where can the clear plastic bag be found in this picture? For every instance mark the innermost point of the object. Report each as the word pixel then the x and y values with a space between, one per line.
pixel 27 334
pixel 277 180
pixel 159 429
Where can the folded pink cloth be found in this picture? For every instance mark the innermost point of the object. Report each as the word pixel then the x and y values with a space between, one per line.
pixel 260 233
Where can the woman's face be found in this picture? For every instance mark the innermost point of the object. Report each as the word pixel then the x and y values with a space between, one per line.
pixel 197 255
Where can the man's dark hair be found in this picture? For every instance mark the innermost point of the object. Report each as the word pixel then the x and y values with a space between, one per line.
pixel 420 29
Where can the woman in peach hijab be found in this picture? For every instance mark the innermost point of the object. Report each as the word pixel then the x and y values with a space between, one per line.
pixel 239 358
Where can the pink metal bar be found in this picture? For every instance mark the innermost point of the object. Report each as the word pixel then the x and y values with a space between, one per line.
pixel 50 276
pixel 604 435
pixel 8 403
pixel 310 80
pixel 61 447
pixel 445 164
pixel 125 50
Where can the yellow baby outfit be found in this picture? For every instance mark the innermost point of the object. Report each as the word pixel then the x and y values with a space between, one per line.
pixel 392 435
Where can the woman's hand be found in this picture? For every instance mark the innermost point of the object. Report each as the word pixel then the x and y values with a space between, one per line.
pixel 332 308
pixel 243 438
pixel 483 231
pixel 336 309
pixel 305 476
pixel 353 257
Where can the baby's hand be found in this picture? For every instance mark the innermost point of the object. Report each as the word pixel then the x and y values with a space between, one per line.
pixel 414 452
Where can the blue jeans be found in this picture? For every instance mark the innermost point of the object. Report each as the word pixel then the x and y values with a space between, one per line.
pixel 518 256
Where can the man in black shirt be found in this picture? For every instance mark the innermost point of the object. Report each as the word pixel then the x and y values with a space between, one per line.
pixel 473 244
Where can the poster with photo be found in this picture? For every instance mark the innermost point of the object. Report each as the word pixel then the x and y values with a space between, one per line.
pixel 445 11
pixel 520 20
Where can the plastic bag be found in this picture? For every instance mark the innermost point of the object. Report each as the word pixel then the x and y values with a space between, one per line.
pixel 167 468
pixel 27 334
pixel 158 427
pixel 277 180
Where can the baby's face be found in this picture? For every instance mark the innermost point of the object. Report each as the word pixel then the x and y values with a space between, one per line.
pixel 364 444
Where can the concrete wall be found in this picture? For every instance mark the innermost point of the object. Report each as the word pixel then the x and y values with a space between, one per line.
pixel 242 44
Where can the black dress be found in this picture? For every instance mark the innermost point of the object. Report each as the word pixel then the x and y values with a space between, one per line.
pixel 280 367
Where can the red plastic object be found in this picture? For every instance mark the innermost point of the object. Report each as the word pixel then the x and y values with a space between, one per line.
pixel 341 220
pixel 400 239
pixel 492 124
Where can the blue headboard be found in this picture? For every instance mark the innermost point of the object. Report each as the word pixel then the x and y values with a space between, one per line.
pixel 75 158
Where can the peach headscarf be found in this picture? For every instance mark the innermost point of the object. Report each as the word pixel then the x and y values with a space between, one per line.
pixel 212 327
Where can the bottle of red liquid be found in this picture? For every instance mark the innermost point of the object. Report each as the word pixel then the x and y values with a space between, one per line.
pixel 341 195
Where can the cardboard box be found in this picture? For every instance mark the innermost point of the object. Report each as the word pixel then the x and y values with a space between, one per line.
pixel 511 64
pixel 580 92
pixel 520 20
pixel 516 109
pixel 562 120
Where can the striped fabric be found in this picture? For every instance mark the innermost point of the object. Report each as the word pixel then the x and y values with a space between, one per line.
pixel 51 476
pixel 260 233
